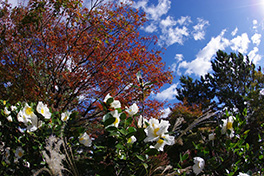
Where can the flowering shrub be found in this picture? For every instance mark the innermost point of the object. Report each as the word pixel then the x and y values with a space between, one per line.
pixel 44 141
pixel 35 140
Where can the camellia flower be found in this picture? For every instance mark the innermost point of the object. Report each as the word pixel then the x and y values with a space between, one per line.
pixel 19 152
pixel 164 140
pixel 6 111
pixel 132 139
pixel 6 156
pixel 116 115
pixel 115 104
pixel 29 118
pixel 242 174
pixel 21 117
pixel 85 140
pixel 156 132
pixel 198 165
pixel 43 110
pixel 228 125
pixel 65 116
pixel 13 108
pixel 132 110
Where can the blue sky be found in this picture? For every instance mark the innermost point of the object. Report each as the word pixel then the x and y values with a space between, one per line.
pixel 193 30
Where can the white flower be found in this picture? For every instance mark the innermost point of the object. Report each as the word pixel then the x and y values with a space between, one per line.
pixel 28 110
pixel 9 118
pixel 156 132
pixel 6 156
pixel 116 115
pixel 85 140
pixel 6 111
pixel 198 165
pixel 132 139
pixel 156 129
pixel 13 108
pixel 21 117
pixel 142 122
pixel 29 118
pixel 19 152
pixel 65 115
pixel 115 104
pixel 132 110
pixel 164 140
pixel 35 123
pixel 242 174
pixel 43 110
pixel 211 136
pixel 228 125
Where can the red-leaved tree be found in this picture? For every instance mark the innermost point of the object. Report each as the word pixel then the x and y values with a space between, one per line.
pixel 69 54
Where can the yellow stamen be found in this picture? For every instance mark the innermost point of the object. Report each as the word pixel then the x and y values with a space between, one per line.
pixel 160 141
pixel 20 154
pixel 65 118
pixel 155 131
pixel 116 121
pixel 229 125
pixel 42 111
pixel 29 111
pixel 81 139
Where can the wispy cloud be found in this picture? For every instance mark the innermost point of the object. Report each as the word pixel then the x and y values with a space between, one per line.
pixel 174 35
pixel 199 33
pixel 151 28
pixel 234 32
pixel 167 94
pixel 255 24
pixel 168 22
pixel 178 58
pixel 154 12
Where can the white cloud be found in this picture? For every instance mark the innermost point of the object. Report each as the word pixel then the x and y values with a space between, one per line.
pixel 240 43
pixel 178 58
pixel 201 65
pixel 168 22
pixel 199 33
pixel 150 28
pixel 140 4
pixel 255 23
pixel 253 56
pixel 167 94
pixel 256 39
pixel 173 35
pixel 184 20
pixel 154 12
pixel 234 32
pixel 165 112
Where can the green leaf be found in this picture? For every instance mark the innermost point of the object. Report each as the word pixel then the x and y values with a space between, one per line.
pixel 128 121
pixel 123 116
pixel 109 121
pixel 109 101
pixel 140 157
pixel 152 151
